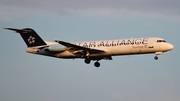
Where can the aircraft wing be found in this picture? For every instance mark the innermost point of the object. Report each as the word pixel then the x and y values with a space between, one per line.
pixel 73 47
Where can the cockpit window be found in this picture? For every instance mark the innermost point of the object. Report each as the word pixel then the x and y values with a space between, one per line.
pixel 158 40
pixel 161 41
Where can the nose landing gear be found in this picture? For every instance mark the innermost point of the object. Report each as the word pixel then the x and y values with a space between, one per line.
pixel 156 57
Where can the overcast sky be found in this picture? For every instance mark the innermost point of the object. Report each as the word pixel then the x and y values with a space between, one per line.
pixel 27 77
pixel 98 7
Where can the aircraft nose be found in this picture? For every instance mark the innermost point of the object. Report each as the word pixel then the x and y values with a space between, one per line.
pixel 170 46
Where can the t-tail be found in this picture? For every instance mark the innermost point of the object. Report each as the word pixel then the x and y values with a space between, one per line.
pixel 30 37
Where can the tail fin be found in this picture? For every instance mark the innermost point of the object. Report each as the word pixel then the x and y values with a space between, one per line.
pixel 30 37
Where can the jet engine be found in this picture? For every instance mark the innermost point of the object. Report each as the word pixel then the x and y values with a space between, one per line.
pixel 56 48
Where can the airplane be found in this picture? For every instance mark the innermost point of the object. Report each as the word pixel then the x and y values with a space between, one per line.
pixel 92 50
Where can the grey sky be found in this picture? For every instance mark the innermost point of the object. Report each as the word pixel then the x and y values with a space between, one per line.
pixel 111 7
pixel 27 77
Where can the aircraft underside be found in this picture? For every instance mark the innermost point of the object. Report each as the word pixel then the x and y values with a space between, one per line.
pixel 88 60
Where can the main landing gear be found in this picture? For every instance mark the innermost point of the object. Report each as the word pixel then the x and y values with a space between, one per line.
pixel 88 61
pixel 96 64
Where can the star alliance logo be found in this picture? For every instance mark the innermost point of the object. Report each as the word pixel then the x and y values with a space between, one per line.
pixel 31 40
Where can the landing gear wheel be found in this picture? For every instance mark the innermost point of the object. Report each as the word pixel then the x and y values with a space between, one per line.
pixel 97 64
pixel 156 58
pixel 87 61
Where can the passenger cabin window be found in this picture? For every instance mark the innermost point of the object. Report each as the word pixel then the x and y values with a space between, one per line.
pixel 161 41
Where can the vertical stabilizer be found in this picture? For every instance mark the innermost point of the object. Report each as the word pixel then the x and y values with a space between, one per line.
pixel 30 37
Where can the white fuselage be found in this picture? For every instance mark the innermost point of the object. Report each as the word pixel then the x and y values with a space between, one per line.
pixel 112 47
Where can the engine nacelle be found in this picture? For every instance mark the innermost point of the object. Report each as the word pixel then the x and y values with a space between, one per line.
pixel 56 48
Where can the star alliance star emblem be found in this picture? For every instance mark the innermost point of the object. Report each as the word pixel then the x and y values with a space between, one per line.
pixel 31 40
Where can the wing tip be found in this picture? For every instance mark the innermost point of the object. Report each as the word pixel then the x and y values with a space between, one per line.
pixel 57 41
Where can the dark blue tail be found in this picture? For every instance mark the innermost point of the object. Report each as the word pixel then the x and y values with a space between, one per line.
pixel 30 37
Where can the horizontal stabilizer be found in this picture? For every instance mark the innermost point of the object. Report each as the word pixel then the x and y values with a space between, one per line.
pixel 18 30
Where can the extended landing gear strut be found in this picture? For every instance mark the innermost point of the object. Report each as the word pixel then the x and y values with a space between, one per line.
pixel 157 53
